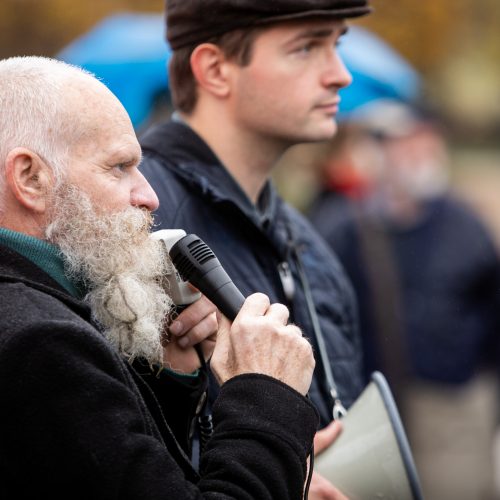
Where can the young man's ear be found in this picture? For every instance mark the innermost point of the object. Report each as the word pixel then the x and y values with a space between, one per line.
pixel 210 69
pixel 29 179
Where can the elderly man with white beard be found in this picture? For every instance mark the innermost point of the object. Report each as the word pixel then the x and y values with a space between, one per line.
pixel 98 400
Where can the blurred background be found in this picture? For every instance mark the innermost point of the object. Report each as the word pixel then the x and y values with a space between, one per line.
pixel 413 177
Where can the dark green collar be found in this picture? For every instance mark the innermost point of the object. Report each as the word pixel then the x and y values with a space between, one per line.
pixel 43 254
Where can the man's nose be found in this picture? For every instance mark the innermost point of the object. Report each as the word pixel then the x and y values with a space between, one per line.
pixel 143 195
pixel 336 74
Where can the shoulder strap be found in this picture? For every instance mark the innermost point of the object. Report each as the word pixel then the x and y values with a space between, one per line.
pixel 338 410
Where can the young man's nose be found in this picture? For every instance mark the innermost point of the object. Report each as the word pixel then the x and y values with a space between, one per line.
pixel 336 74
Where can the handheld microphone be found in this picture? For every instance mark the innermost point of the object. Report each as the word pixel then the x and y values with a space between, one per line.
pixel 196 263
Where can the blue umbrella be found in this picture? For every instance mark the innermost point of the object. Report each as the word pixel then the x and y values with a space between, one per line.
pixel 378 72
pixel 129 53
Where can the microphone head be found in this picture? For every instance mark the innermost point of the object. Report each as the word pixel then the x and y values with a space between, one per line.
pixel 196 263
pixel 191 256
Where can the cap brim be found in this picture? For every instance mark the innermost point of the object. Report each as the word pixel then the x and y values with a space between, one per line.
pixel 330 13
pixel 243 22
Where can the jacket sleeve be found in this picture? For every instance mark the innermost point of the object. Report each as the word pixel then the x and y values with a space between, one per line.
pixel 256 420
pixel 74 424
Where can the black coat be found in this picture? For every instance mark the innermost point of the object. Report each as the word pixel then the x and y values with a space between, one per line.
pixel 198 194
pixel 78 422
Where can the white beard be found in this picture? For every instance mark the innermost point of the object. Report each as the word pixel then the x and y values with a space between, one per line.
pixel 120 266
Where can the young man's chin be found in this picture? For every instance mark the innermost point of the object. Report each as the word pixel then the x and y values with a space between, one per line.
pixel 307 134
pixel 324 132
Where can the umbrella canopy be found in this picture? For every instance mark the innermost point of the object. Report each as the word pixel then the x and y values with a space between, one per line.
pixel 129 54
pixel 378 72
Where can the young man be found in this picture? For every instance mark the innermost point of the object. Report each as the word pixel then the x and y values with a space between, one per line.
pixel 249 79
pixel 95 404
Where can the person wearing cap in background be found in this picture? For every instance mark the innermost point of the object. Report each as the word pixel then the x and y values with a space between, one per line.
pixel 249 79
pixel 427 276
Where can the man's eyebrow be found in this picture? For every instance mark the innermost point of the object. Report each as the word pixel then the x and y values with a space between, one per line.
pixel 320 33
pixel 127 158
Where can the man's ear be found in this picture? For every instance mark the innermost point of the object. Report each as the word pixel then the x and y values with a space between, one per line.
pixel 210 69
pixel 29 179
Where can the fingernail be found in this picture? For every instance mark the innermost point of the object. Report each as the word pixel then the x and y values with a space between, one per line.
pixel 183 341
pixel 175 327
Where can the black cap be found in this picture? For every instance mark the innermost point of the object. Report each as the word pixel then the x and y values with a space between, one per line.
pixel 191 22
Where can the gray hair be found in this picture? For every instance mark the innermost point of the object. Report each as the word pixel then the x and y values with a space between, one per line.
pixel 34 112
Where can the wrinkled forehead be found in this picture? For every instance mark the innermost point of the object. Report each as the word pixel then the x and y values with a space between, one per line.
pixel 90 101
pixel 98 118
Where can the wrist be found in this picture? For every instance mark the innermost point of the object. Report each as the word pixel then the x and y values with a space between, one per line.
pixel 178 373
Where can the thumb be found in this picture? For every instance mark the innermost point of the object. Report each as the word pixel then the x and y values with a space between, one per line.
pixel 325 437
pixel 222 346
pixel 223 328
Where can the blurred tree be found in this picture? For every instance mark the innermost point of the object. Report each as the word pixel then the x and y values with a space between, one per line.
pixel 423 31
pixel 455 44
pixel 43 27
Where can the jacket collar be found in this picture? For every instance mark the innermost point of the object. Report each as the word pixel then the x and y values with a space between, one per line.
pixel 14 267
pixel 41 253
pixel 181 147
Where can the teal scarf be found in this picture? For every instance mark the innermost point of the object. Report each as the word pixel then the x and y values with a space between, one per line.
pixel 43 254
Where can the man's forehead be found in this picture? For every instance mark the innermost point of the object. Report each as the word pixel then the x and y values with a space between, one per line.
pixel 108 143
pixel 314 27
pixel 103 124
pixel 286 33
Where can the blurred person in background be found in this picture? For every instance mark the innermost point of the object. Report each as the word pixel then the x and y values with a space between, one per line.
pixel 343 169
pixel 426 273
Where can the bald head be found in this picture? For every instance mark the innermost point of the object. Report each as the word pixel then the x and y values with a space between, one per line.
pixel 48 107
pixel 92 109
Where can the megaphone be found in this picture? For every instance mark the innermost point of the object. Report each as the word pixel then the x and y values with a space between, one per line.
pixel 372 458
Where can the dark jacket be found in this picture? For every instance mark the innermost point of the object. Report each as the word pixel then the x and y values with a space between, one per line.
pixel 198 194
pixel 78 422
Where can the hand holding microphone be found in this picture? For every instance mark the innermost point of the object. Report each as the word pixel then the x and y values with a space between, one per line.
pixel 259 339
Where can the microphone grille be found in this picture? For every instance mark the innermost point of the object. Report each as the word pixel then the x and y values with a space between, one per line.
pixel 200 251
pixel 189 257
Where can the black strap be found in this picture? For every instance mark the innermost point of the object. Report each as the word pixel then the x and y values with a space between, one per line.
pixel 338 410
pixel 205 424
